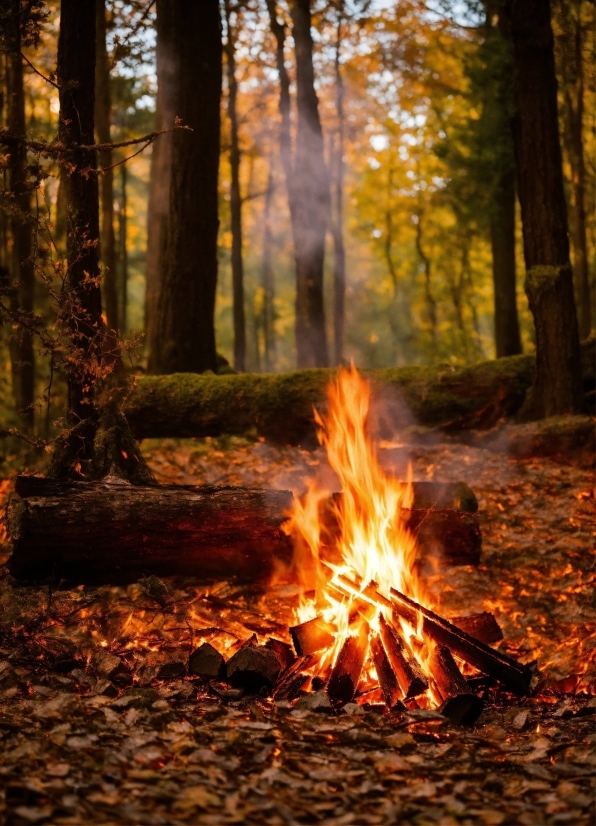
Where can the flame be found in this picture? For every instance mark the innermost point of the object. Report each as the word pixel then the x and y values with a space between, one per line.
pixel 373 541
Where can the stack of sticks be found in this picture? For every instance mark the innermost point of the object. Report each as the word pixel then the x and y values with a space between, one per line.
pixel 400 676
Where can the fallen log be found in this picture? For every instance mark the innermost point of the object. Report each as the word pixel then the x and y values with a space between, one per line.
pixel 409 674
pixel 111 531
pixel 460 704
pixel 506 670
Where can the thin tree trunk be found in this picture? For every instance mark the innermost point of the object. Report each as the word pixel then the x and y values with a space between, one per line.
pixel 235 201
pixel 123 249
pixel 22 262
pixel 557 387
pixel 187 295
pixel 161 173
pixel 502 239
pixel 285 135
pixel 103 112
pixel 76 78
pixel 267 280
pixel 572 72
pixel 339 258
pixel 431 304
pixel 312 200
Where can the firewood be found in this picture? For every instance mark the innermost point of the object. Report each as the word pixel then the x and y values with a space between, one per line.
pixel 283 652
pixel 110 531
pixel 483 627
pixel 311 636
pixel 253 668
pixel 348 667
pixel 453 537
pixel 459 704
pixel 207 662
pixel 293 680
pixel 409 674
pixel 392 693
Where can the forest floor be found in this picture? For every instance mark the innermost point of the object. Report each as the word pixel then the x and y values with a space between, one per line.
pixel 98 723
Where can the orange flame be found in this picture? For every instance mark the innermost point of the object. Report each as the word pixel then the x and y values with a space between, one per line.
pixel 373 541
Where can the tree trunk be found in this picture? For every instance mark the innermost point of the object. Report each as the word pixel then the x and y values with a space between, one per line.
pixel 339 260
pixel 23 270
pixel 502 239
pixel 235 201
pixel 161 173
pixel 123 249
pixel 431 303
pixel 267 280
pixel 103 112
pixel 572 72
pixel 311 200
pixel 557 386
pixel 187 295
pixel 76 78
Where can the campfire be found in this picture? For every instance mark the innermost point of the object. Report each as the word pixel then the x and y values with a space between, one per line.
pixel 365 626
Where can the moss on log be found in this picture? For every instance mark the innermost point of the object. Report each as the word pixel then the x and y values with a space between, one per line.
pixel 280 406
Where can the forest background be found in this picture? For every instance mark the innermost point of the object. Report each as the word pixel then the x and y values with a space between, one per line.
pixel 415 103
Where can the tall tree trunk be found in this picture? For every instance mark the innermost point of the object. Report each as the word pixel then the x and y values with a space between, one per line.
pixel 187 295
pixel 23 270
pixel 235 200
pixel 123 249
pixel 285 135
pixel 572 73
pixel 76 78
pixel 267 279
pixel 502 239
pixel 557 385
pixel 161 173
pixel 431 303
pixel 339 257
pixel 312 200
pixel 103 112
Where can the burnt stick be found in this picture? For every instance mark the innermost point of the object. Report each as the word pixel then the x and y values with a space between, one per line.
pixel 392 693
pixel 409 674
pixel 459 704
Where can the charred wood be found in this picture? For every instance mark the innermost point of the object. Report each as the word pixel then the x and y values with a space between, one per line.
pixel 348 667
pixel 459 704
pixel 293 680
pixel 253 668
pixel 283 652
pixel 483 627
pixel 312 636
pixel 207 662
pixel 409 674
pixel 392 693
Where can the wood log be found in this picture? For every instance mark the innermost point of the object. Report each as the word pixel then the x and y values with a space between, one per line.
pixel 409 674
pixel 207 662
pixel 345 675
pixel 451 537
pixel 459 704
pixel 293 679
pixel 312 636
pixel 506 670
pixel 280 406
pixel 392 693
pixel 111 531
pixel 483 627
pixel 253 668
pixel 283 652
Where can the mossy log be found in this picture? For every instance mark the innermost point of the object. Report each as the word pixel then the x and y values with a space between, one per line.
pixel 280 407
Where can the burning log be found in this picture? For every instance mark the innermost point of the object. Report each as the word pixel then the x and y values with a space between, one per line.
pixel 207 662
pixel 293 679
pixel 409 674
pixel 110 531
pixel 348 667
pixel 483 627
pixel 505 669
pixel 392 693
pixel 283 652
pixel 312 636
pixel 253 668
pixel 460 705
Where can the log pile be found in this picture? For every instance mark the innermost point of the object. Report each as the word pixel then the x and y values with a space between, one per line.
pixel 113 532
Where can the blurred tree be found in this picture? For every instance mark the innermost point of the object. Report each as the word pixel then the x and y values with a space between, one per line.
pixel 103 115
pixel 337 179
pixel 557 386
pixel 187 293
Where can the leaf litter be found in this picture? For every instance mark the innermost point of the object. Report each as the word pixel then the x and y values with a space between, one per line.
pixel 101 723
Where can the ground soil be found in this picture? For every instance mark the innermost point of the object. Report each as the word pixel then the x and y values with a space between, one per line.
pixel 100 724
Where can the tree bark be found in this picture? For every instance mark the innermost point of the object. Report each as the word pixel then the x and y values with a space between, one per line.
pixel 339 250
pixel 187 295
pixel 76 79
pixel 23 270
pixel 572 73
pixel 502 239
pixel 123 249
pixel 557 385
pixel 268 318
pixel 312 200
pixel 161 173
pixel 235 200
pixel 103 113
